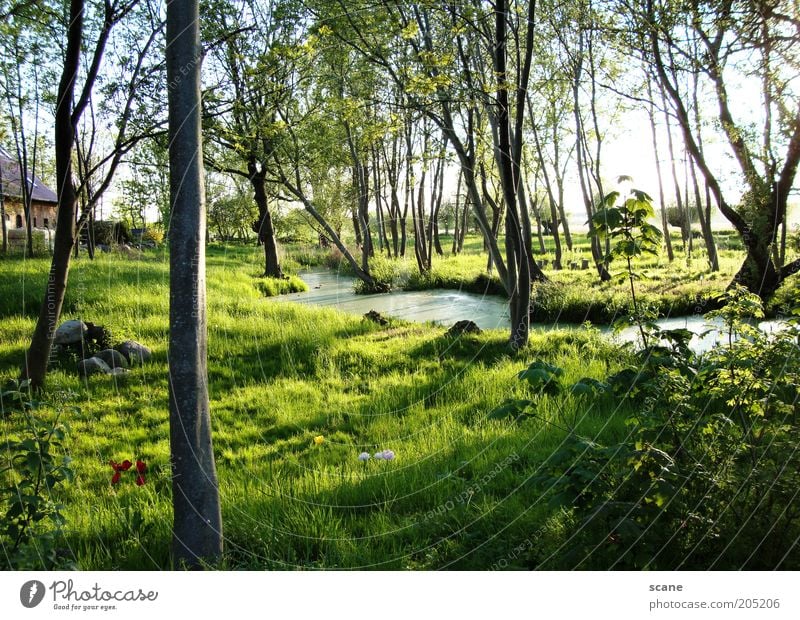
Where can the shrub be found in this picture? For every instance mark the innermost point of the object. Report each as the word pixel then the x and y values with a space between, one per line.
pixel 153 235
pixel 30 473
pixel 708 472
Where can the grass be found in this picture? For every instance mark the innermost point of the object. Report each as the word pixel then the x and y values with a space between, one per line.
pixel 457 495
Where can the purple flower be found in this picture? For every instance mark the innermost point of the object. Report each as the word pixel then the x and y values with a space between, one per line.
pixel 386 455
pixel 364 456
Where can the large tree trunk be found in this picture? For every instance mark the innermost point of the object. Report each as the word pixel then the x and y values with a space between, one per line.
pixel 197 530
pixel 518 260
pixel 38 354
pixel 264 228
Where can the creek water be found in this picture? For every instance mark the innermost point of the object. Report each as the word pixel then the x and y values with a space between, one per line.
pixel 445 307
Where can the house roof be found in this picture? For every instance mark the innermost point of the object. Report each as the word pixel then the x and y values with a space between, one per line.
pixel 11 187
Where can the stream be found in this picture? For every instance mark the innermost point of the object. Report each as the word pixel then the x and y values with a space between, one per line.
pixel 445 307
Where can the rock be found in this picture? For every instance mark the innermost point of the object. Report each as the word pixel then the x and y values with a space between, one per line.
pixel 114 359
pixel 93 366
pixel 134 352
pixel 376 317
pixel 463 327
pixel 70 332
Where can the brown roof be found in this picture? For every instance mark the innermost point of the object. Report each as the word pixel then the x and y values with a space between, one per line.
pixel 11 187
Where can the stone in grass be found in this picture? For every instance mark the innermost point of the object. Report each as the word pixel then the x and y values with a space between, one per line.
pixel 119 373
pixel 463 327
pixel 93 366
pixel 134 352
pixel 113 358
pixel 70 332
pixel 376 317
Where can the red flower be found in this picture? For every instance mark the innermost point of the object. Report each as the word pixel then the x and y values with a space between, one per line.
pixel 125 466
pixel 118 467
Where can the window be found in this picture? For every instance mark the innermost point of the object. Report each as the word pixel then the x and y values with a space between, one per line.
pixel 34 222
pixel 19 221
pixel 46 223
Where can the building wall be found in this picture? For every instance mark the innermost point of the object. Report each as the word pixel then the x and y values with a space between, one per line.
pixel 43 214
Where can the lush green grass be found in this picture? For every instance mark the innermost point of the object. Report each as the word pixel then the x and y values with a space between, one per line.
pixel 457 495
pixel 272 287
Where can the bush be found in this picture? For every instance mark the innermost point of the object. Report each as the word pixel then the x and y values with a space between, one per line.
pixel 708 472
pixel 111 233
pixel 30 473
pixel 18 241
pixel 153 235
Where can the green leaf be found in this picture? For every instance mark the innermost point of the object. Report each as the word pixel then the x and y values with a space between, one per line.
pixel 509 409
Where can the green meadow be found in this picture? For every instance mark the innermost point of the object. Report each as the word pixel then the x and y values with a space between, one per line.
pixel 458 494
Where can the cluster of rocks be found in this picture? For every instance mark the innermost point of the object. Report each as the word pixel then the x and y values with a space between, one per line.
pixel 107 361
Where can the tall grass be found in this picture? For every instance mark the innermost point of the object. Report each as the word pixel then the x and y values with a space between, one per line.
pixel 456 495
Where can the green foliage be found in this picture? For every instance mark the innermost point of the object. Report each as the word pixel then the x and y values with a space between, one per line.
pixel 111 233
pixel 154 235
pixel 30 472
pixel 627 225
pixel 627 228
pixel 707 473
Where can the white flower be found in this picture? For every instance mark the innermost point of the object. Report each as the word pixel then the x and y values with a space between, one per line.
pixel 378 456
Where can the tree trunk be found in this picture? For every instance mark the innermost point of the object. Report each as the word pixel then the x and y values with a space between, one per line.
pixel 551 198
pixel 517 260
pixel 38 354
pixel 597 253
pixel 264 228
pixel 705 224
pixel 197 530
pixel 3 214
pixel 464 224
pixel 654 138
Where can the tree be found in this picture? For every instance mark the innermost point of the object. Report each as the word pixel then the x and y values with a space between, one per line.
pixel 68 115
pixel 249 46
pixel 197 530
pixel 743 41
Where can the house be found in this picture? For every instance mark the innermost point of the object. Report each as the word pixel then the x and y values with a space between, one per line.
pixel 44 201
